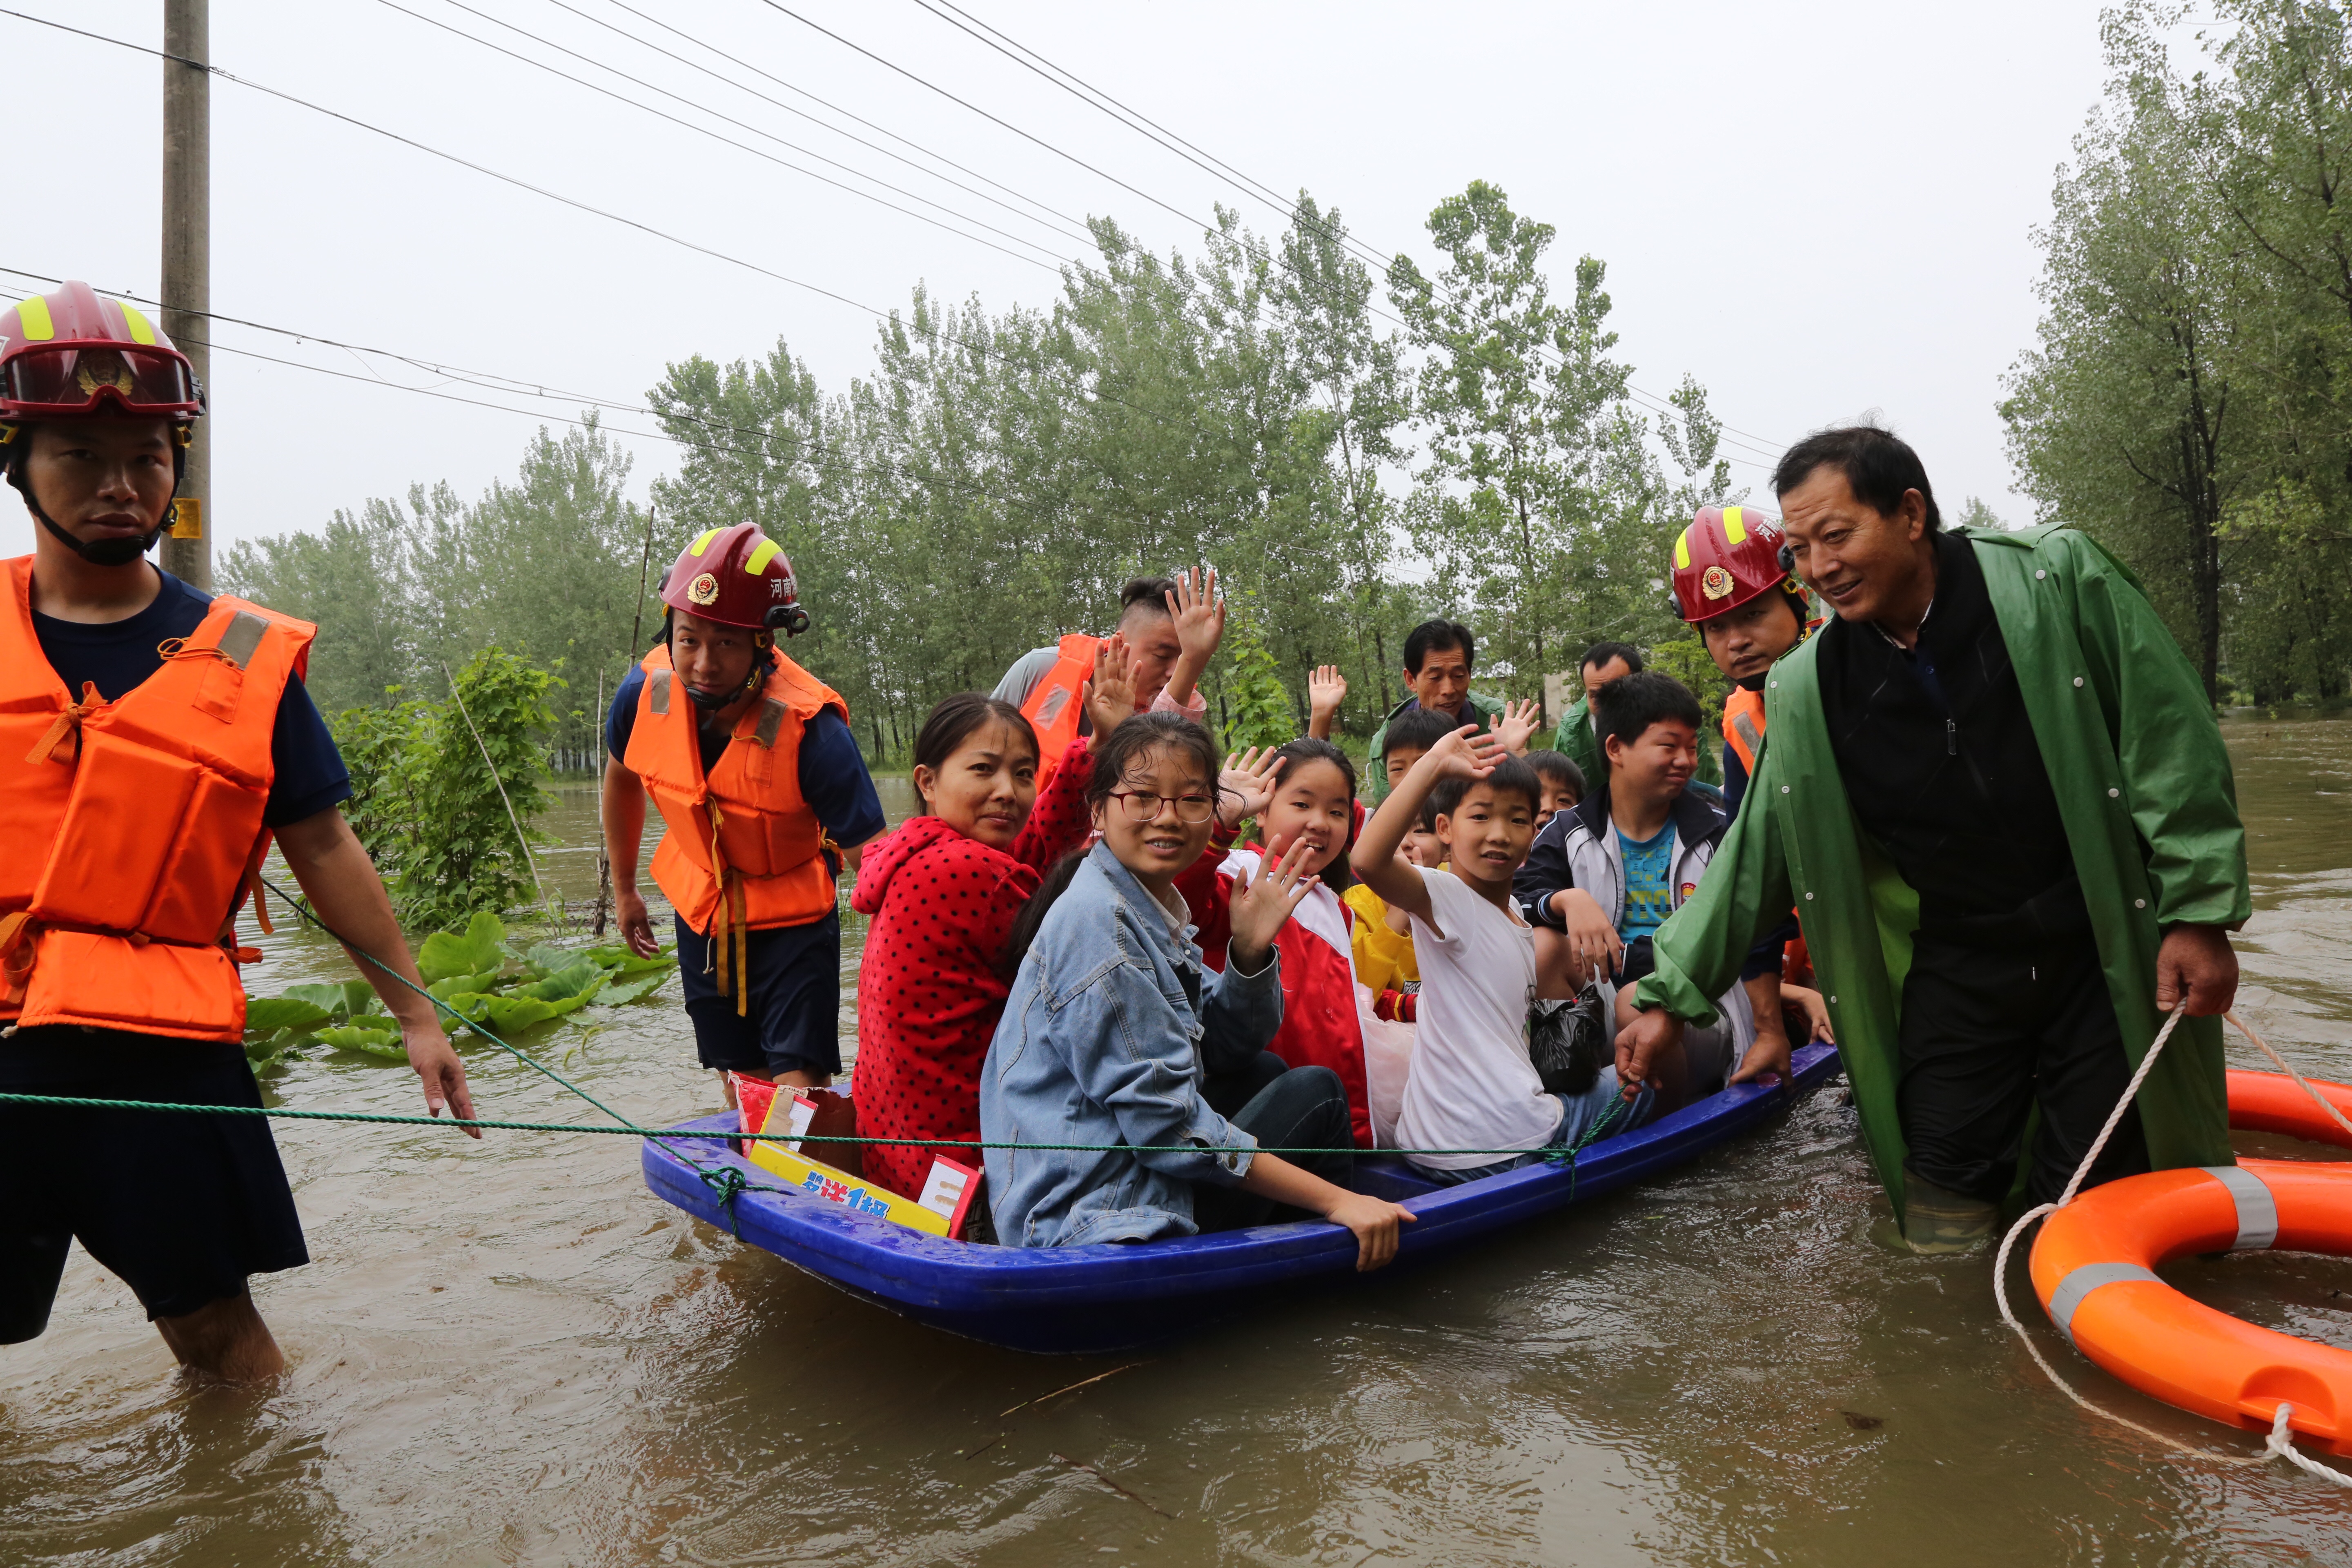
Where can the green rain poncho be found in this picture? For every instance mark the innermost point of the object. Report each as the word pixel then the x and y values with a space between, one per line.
pixel 2143 785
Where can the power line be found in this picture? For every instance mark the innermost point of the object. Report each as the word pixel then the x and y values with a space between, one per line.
pixel 1648 399
pixel 704 130
pixel 1077 226
pixel 1160 135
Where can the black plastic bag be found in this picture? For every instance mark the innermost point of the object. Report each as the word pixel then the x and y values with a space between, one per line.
pixel 1570 1042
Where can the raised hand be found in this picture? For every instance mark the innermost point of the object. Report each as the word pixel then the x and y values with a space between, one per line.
pixel 1464 754
pixel 1246 785
pixel 1262 905
pixel 1110 695
pixel 1199 613
pixel 1326 689
pixel 1514 724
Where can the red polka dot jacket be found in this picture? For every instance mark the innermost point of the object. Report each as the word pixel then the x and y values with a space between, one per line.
pixel 928 991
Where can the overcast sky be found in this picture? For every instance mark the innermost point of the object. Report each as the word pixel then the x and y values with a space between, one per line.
pixel 1816 210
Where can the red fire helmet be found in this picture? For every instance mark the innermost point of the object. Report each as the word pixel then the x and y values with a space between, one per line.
pixel 73 353
pixel 1726 557
pixel 738 577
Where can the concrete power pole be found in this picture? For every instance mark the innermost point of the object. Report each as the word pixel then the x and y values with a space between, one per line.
pixel 187 550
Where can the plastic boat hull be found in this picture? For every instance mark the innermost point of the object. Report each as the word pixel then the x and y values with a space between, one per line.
pixel 1085 1299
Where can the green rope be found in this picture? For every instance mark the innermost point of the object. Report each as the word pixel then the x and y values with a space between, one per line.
pixel 661 1134
pixel 726 1182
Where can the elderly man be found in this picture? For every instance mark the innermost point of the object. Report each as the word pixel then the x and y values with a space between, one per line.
pixel 1994 792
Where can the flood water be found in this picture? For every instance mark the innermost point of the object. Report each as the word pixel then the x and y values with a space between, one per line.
pixel 511 1353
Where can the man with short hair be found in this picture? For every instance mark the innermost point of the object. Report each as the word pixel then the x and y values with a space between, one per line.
pixel 1169 628
pixel 1439 655
pixel 154 739
pixel 1994 790
pixel 1579 736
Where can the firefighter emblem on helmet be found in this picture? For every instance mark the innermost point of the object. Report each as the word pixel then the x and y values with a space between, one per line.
pixel 1716 582
pixel 703 590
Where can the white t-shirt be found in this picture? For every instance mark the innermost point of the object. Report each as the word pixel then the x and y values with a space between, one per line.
pixel 1474 1085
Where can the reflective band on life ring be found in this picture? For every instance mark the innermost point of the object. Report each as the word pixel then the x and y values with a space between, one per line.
pixel 2095 1265
pixel 2273 1102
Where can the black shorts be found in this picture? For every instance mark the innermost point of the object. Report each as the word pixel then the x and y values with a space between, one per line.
pixel 792 1022
pixel 183 1207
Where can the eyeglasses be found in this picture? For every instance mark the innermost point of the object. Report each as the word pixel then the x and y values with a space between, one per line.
pixel 1142 807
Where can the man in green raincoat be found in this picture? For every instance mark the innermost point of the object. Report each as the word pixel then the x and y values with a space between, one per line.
pixel 1994 792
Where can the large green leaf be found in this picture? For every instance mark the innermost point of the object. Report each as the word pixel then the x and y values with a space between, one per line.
pixel 621 961
pixel 507 1015
pixel 483 946
pixel 621 991
pixel 384 1043
pixel 267 1015
pixel 579 980
pixel 462 985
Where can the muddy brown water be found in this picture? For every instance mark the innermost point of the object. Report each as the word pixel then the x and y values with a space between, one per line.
pixel 513 1354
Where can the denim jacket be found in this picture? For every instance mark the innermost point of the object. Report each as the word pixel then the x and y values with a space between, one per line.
pixel 1104 1040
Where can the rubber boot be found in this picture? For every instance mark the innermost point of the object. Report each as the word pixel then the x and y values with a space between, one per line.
pixel 1936 1221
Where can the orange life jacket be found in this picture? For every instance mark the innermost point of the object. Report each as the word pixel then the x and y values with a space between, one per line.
pixel 134 827
pixel 743 851
pixel 1743 725
pixel 1053 708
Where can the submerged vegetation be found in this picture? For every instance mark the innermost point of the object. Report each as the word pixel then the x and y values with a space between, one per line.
pixel 479 973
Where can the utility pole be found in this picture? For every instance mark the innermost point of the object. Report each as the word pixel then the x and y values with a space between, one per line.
pixel 188 265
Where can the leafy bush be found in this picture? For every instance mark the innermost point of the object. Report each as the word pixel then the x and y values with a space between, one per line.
pixel 446 826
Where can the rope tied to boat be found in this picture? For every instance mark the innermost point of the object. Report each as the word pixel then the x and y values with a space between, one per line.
pixel 2281 1443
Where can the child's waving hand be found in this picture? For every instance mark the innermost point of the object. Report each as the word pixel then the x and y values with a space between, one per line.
pixel 1246 785
pixel 1262 905
pixel 1326 689
pixel 1516 724
pixel 1110 695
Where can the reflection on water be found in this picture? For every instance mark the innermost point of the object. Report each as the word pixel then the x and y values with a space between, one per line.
pixel 511 1353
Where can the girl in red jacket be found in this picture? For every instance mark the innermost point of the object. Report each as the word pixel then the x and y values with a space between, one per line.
pixel 943 890
pixel 1302 791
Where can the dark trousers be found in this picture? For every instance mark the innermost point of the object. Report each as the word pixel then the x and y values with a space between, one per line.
pixel 1988 1035
pixel 1301 1108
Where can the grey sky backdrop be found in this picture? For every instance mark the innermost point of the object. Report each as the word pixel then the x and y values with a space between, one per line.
pixel 1818 210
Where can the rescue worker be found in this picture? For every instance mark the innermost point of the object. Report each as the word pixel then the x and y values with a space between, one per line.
pixel 764 796
pixel 1994 790
pixel 1170 627
pixel 153 742
pixel 1749 611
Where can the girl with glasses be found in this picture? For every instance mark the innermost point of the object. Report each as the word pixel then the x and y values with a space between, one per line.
pixel 1115 1024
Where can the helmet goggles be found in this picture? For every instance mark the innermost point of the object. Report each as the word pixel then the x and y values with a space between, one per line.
pixel 72 379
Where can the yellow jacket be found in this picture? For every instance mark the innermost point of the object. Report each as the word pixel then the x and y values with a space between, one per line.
pixel 1383 958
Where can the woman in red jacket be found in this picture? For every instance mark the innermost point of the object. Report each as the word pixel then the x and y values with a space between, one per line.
pixel 1302 791
pixel 943 890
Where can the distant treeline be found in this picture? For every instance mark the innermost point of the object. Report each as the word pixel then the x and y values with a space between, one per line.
pixel 992 480
pixel 2189 401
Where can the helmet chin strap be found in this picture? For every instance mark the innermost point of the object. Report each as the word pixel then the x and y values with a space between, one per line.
pixel 752 682
pixel 102 552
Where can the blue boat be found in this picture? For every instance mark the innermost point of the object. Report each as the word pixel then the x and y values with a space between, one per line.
pixel 1068 1300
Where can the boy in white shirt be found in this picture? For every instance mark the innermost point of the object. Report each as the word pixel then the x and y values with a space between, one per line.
pixel 1473 1084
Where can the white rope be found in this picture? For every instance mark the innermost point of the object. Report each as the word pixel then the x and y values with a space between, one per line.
pixel 2281 1444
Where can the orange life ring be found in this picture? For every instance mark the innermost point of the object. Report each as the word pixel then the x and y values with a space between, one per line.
pixel 2273 1102
pixel 2094 1268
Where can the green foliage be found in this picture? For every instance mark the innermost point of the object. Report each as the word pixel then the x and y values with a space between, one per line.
pixel 505 990
pixel 445 793
pixel 993 477
pixel 2188 400
pixel 1252 708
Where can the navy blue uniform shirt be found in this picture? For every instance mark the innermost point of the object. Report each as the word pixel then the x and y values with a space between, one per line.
pixel 834 780
pixel 116 656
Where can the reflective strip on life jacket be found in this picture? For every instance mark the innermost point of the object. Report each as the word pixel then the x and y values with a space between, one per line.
pixel 1054 707
pixel 743 851
pixel 1743 725
pixel 150 808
